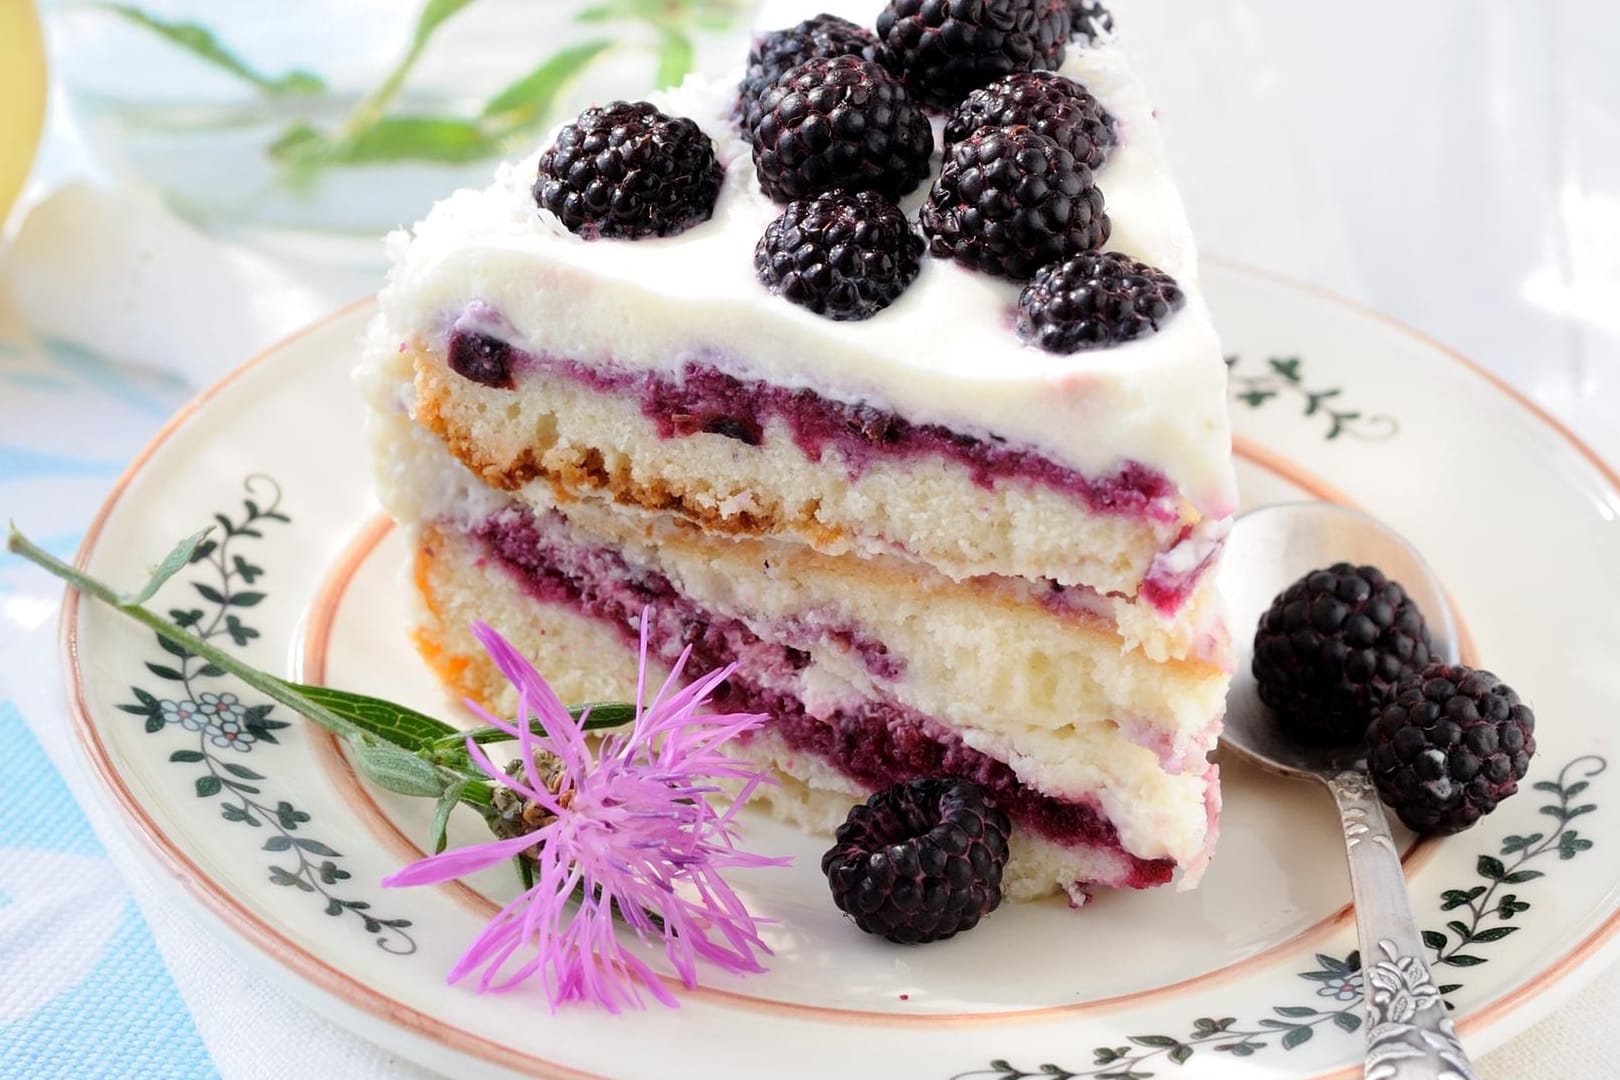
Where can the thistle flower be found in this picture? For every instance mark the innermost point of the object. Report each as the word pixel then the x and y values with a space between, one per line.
pixel 626 830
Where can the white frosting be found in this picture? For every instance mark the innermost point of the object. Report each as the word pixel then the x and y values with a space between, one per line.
pixel 945 353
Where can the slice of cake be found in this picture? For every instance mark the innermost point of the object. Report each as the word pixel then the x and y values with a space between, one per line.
pixel 882 371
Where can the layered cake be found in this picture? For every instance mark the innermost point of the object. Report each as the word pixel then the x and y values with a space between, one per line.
pixel 880 368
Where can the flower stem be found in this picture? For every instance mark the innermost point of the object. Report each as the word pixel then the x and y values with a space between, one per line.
pixel 269 685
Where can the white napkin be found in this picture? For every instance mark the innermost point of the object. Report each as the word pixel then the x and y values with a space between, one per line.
pixel 252 1028
pixel 114 271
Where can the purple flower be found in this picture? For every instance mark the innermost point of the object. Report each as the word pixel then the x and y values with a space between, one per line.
pixel 628 830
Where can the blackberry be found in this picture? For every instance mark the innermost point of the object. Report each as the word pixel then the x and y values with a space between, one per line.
pixel 628 170
pixel 1095 300
pixel 840 255
pixel 1450 745
pixel 1009 201
pixel 944 49
pixel 818 38
pixel 1089 20
pixel 483 359
pixel 839 122
pixel 919 861
pixel 1053 105
pixel 1332 647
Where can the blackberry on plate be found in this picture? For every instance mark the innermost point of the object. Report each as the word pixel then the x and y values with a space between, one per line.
pixel 1094 300
pixel 919 861
pixel 840 255
pixel 1449 746
pixel 943 49
pixel 628 170
pixel 818 38
pixel 1089 20
pixel 1052 104
pixel 1332 647
pixel 839 122
pixel 1010 201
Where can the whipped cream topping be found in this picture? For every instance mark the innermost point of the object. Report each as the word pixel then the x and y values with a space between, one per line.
pixel 945 353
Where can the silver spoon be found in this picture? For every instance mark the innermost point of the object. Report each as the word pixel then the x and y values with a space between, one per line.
pixel 1409 1035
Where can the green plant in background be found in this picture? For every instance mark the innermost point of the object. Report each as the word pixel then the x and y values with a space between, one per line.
pixel 373 132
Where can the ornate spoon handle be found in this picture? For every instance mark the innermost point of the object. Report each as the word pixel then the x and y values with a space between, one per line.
pixel 1409 1034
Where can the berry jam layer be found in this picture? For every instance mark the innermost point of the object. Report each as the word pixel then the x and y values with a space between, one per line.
pixel 754 459
pixel 702 399
pixel 874 741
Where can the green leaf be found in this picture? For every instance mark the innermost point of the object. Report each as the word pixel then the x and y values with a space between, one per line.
pixel 1293 1010
pixel 207 786
pixel 1181 1053
pixel 1347 1021
pixel 1160 1041
pixel 163 672
pixel 202 43
pixel 315 847
pixel 389 139
pixel 674 59
pixel 176 560
pixel 434 12
pixel 1333 964
pixel 529 100
pixel 1575 789
pixel 209 593
pixel 1572 844
pixel 246 599
pixel 1458 927
pixel 599 716
pixel 242 772
pixel 441 814
pixel 1298 1037
pixel 396 724
pixel 278 843
pixel 155 724
pixel 1462 960
pixel 1518 877
pixel 1456 898
pixel 1495 933
pixel 1434 939
pixel 1490 868
pixel 1287 367
pixel 186 756
pixel 399 771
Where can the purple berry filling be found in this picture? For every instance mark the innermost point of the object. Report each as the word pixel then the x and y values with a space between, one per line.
pixel 705 399
pixel 877 742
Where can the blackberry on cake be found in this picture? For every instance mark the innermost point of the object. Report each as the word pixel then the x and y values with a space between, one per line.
pixel 1449 746
pixel 944 49
pixel 931 549
pixel 840 255
pixel 1011 200
pixel 629 170
pixel 1095 300
pixel 1089 20
pixel 920 861
pixel 1051 104
pixel 1331 648
pixel 839 123
pixel 773 53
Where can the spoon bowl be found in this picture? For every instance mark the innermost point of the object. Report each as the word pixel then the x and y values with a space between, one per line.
pixel 1409 1033
pixel 1268 550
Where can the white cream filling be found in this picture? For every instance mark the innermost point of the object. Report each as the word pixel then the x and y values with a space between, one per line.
pixel 945 353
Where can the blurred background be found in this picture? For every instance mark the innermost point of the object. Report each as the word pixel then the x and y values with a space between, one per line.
pixel 190 180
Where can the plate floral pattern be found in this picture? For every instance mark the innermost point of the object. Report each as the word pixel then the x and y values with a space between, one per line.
pixel 285 848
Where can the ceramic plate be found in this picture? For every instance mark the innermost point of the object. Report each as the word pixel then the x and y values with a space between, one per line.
pixel 266 830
